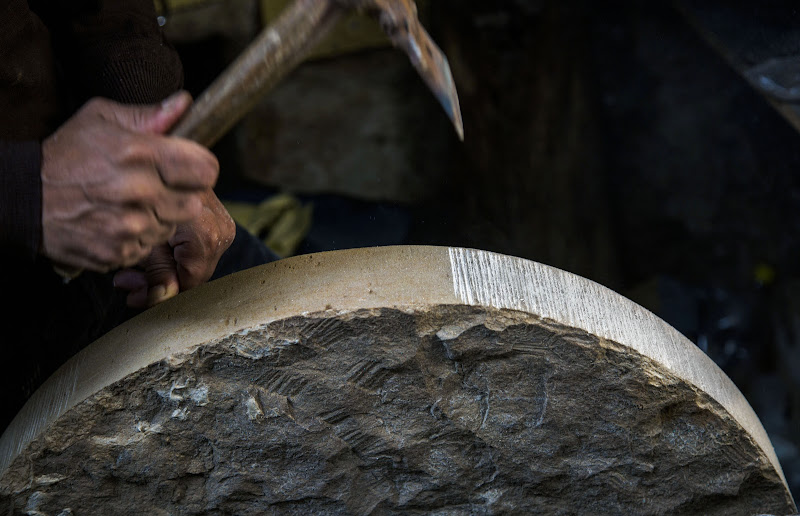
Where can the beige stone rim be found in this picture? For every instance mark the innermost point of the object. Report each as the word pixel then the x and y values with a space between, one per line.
pixel 405 277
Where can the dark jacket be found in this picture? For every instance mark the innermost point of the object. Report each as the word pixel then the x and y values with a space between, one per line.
pixel 55 55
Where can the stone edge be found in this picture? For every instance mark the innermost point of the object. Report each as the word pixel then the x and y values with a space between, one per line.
pixel 393 277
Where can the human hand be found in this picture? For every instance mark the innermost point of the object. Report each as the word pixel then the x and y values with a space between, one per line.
pixel 114 186
pixel 187 260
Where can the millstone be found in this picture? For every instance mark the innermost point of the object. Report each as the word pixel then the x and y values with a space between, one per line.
pixel 404 379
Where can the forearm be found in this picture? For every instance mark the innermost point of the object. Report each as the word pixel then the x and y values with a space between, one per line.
pixel 20 198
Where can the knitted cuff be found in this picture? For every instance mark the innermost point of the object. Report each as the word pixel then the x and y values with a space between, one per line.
pixel 139 70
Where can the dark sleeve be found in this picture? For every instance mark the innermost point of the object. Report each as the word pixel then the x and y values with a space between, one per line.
pixel 113 49
pixel 20 199
pixel 108 48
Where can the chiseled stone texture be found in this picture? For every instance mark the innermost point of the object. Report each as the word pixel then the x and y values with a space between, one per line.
pixel 451 410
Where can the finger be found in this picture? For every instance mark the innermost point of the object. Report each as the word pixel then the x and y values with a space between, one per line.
pixel 138 229
pixel 176 207
pixel 130 279
pixel 144 190
pixel 195 266
pixel 133 252
pixel 156 118
pixel 195 258
pixel 81 251
pixel 184 164
pixel 115 238
pixel 176 162
pixel 162 276
pixel 198 246
pixel 135 282
pixel 158 235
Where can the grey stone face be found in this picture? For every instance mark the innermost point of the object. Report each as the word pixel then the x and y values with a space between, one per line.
pixel 443 410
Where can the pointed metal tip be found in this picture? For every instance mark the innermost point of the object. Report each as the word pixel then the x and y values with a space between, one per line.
pixel 448 97
pixel 451 108
pixel 435 71
pixel 407 33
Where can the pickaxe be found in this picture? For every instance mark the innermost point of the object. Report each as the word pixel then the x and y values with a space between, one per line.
pixel 281 46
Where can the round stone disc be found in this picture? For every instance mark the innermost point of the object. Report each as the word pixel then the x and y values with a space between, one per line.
pixel 402 379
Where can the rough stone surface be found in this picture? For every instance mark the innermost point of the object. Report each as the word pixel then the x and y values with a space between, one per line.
pixel 446 410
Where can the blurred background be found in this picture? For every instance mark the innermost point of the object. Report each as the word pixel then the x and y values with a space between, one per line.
pixel 651 147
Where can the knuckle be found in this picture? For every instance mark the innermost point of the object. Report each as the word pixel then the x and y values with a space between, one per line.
pixel 135 224
pixel 129 261
pixel 133 253
pixel 110 256
pixel 133 149
pixel 96 104
pixel 127 254
pixel 140 191
pixel 115 229
pixel 128 225
pixel 124 252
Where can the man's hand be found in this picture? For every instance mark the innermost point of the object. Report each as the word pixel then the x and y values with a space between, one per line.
pixel 114 187
pixel 188 259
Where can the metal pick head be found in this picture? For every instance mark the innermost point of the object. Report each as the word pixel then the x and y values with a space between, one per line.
pixel 398 18
pixel 434 68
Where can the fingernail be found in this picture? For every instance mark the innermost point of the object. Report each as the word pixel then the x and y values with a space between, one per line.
pixel 156 294
pixel 161 293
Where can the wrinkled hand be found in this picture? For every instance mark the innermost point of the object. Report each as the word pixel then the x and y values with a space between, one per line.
pixel 187 260
pixel 114 187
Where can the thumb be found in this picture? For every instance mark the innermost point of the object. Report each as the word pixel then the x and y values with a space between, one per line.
pixel 161 272
pixel 156 118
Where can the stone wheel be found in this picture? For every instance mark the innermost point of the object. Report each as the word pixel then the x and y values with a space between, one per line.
pixel 387 380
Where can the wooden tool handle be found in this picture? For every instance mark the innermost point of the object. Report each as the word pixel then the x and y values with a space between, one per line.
pixel 277 50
